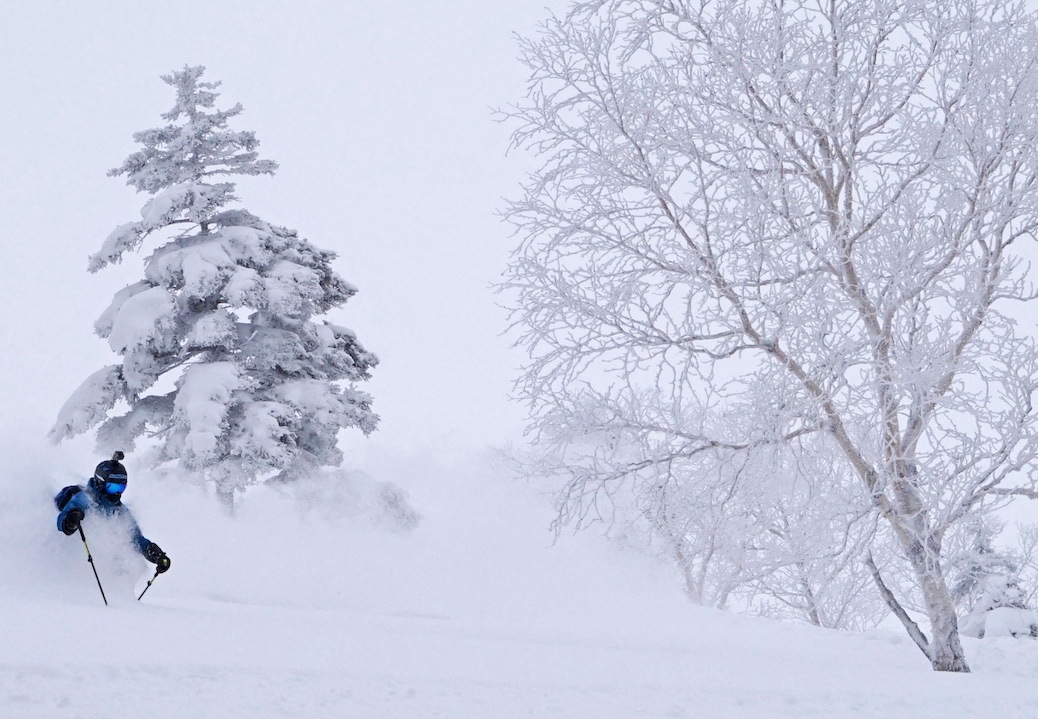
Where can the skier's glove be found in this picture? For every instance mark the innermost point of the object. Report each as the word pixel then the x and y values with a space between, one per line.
pixel 154 554
pixel 70 523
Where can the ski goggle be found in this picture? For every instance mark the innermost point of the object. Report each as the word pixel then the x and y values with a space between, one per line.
pixel 115 487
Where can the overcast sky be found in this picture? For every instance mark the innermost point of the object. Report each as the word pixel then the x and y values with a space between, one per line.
pixel 378 112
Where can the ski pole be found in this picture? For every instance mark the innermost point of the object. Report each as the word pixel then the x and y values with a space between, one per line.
pixel 157 573
pixel 90 559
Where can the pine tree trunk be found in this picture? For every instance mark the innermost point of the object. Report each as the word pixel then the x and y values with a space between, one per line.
pixel 225 495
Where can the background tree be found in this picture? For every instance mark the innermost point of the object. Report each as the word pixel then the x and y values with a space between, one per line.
pixel 769 530
pixel 252 386
pixel 976 560
pixel 806 214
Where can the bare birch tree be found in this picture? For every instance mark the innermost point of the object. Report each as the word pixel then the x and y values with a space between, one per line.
pixel 804 214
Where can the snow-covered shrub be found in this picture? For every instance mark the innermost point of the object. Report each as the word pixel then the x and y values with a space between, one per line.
pixel 1001 611
pixel 974 558
pixel 228 310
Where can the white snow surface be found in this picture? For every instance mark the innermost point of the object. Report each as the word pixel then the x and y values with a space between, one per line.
pixel 302 607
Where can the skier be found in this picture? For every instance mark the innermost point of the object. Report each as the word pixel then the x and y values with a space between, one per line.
pixel 103 496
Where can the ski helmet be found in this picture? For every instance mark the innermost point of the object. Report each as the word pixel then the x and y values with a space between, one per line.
pixel 110 475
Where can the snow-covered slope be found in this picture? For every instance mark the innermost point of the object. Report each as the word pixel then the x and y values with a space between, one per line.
pixel 293 610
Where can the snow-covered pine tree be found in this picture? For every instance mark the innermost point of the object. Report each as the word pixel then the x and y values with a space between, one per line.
pixel 1001 611
pixel 224 362
pixel 989 586
pixel 976 561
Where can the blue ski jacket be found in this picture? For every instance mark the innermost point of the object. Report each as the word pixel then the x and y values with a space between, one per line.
pixel 90 500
